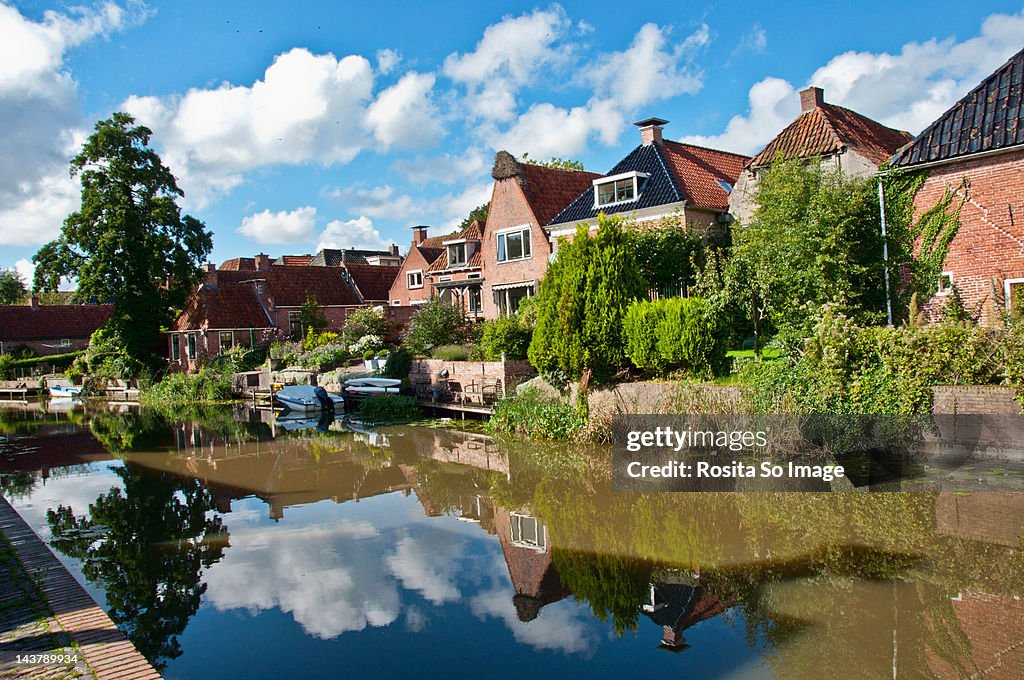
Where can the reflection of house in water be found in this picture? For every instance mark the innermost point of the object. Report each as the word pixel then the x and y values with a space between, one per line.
pixel 678 606
pixel 524 542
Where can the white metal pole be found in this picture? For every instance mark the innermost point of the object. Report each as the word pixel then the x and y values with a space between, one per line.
pixel 885 252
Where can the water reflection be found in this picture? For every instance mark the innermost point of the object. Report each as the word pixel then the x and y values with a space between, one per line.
pixel 815 584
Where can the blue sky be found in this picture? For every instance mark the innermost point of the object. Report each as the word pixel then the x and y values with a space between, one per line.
pixel 342 124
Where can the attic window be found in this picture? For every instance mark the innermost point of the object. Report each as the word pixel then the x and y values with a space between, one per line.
pixel 725 185
pixel 621 188
pixel 457 255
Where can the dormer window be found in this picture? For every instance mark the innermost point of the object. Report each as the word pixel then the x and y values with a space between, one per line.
pixel 457 254
pixel 621 188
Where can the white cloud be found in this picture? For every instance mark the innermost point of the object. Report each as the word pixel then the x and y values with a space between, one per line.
pixel 546 130
pixel 650 69
pixel 404 114
pixel 384 202
pixel 328 578
pixel 379 201
pixel 285 226
pixel 773 106
pixel 387 61
pixel 358 233
pixel 27 270
pixel 754 41
pixel 39 100
pixel 511 54
pixel 307 108
pixel 443 169
pixel 428 565
pixel 907 90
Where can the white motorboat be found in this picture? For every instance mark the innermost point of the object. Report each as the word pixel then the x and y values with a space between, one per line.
pixel 364 387
pixel 65 391
pixel 306 398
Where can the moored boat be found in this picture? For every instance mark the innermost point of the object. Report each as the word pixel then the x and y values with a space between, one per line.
pixel 306 398
pixel 65 391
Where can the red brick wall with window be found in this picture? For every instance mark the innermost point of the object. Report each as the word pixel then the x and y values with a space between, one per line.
pixel 509 208
pixel 400 290
pixel 989 247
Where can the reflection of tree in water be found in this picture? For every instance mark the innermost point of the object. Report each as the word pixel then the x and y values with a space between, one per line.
pixel 146 547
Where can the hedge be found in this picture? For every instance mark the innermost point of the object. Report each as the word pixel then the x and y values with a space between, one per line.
pixel 674 333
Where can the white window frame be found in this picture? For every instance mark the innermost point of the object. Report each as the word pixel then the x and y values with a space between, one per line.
pixel 409 278
pixel 465 254
pixel 501 244
pixel 945 290
pixel 220 340
pixel 614 179
pixel 191 346
pixel 516 530
pixel 65 342
pixel 1007 284
pixel 396 303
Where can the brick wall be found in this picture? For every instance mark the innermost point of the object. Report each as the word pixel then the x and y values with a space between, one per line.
pixel 989 247
pixel 975 399
pixel 511 373
pixel 509 208
pixel 400 290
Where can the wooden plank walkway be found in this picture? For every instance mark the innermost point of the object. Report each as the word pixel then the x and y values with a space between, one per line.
pixel 109 654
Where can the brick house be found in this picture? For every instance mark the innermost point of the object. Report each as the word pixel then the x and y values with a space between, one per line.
pixel 842 139
pixel 250 308
pixel 455 277
pixel 411 284
pixel 976 149
pixel 515 247
pixel 50 329
pixel 658 180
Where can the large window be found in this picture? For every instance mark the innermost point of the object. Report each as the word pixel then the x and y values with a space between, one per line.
pixel 475 300
pixel 528 531
pixel 507 299
pixel 414 279
pixel 175 348
pixel 295 325
pixel 514 245
pixel 191 346
pixel 457 255
pixel 227 341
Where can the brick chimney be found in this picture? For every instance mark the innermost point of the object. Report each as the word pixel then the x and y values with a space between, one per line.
pixel 419 234
pixel 262 262
pixel 393 249
pixel 211 267
pixel 811 98
pixel 650 130
pixel 34 302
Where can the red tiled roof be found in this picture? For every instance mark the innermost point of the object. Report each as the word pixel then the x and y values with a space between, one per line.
pixel 828 129
pixel 232 305
pixel 51 322
pixel 294 260
pixel 470 233
pixel 549 190
pixel 698 170
pixel 373 281
pixel 289 286
pixel 239 264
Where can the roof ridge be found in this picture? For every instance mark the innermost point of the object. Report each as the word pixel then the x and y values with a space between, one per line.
pixel 671 175
pixel 706 148
pixel 829 123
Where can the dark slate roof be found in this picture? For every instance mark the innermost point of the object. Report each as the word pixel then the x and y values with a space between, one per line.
pixel 682 606
pixel 334 257
pixel 373 281
pixel 677 172
pixel 828 129
pixel 51 322
pixel 988 118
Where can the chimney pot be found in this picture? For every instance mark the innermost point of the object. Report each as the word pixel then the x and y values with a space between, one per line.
pixel 211 267
pixel 419 234
pixel 262 262
pixel 393 249
pixel 811 98
pixel 34 301
pixel 650 130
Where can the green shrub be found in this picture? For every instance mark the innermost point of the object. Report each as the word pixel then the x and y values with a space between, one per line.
pixel 5 366
pixel 688 337
pixel 452 352
pixel 365 321
pixel 324 357
pixel 399 363
pixel 208 384
pixel 436 323
pixel 369 354
pixel 530 413
pixel 314 339
pixel 504 336
pixel 640 328
pixel 388 408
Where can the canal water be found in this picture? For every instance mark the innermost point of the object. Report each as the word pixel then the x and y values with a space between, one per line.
pixel 227 543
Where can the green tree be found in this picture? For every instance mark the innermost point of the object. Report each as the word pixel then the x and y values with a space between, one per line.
pixel 815 238
pixel 478 213
pixel 581 303
pixel 667 256
pixel 12 287
pixel 147 547
pixel 556 163
pixel 128 243
pixel 434 324
pixel 312 315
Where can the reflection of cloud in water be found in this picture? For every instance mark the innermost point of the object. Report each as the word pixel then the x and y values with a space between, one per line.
pixel 427 563
pixel 328 578
pixel 560 626
pixel 415 619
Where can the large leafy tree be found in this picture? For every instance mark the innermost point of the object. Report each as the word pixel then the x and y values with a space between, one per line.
pixel 129 242
pixel 814 239
pixel 12 287
pixel 581 303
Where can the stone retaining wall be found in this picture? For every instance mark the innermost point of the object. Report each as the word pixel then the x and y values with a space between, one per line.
pixel 975 399
pixel 426 372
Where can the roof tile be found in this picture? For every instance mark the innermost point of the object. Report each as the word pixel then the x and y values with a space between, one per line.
pixel 23 322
